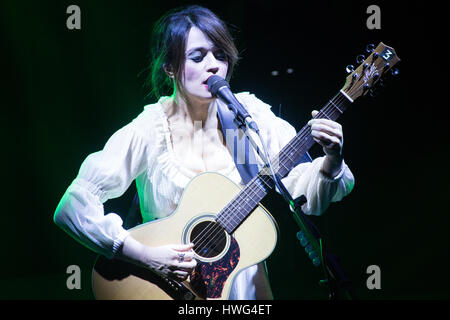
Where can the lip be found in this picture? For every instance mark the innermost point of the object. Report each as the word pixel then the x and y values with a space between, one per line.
pixel 206 81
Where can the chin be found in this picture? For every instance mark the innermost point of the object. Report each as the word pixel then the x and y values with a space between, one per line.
pixel 202 98
pixel 200 95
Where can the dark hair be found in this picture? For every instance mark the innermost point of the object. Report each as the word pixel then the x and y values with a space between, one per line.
pixel 169 44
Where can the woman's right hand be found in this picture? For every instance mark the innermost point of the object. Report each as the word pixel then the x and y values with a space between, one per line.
pixel 174 260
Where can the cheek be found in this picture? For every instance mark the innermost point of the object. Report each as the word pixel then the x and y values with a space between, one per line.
pixel 191 73
pixel 225 68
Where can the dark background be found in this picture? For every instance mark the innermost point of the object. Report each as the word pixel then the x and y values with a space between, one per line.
pixel 65 92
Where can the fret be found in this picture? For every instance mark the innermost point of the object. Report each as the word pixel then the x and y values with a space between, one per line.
pixel 262 185
pixel 324 114
pixel 334 105
pixel 245 202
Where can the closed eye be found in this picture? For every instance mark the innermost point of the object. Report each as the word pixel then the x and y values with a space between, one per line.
pixel 197 59
pixel 198 55
pixel 220 55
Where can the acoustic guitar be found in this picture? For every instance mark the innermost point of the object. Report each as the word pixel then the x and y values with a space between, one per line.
pixel 229 228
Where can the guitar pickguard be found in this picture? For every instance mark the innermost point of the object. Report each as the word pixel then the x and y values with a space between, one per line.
pixel 209 278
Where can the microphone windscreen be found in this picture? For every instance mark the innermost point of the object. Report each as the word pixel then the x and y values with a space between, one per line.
pixel 215 83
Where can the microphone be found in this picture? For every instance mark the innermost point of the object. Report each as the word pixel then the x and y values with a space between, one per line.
pixel 220 88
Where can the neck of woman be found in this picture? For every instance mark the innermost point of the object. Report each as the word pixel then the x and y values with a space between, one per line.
pixel 197 111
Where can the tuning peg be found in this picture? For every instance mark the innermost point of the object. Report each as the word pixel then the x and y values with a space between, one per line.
pixel 360 59
pixel 350 68
pixel 380 83
pixel 395 71
pixel 373 92
pixel 377 87
pixel 370 47
pixel 366 87
pixel 375 55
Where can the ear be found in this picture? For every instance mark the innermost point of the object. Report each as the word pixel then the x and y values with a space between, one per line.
pixel 168 70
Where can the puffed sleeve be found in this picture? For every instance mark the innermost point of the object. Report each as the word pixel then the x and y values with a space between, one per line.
pixel 103 175
pixel 306 178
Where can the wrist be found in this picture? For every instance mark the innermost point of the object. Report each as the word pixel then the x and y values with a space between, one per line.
pixel 332 165
pixel 133 251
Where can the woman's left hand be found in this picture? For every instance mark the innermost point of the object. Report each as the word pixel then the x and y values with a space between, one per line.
pixel 329 135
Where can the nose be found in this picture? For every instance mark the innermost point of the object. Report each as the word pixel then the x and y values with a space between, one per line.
pixel 212 64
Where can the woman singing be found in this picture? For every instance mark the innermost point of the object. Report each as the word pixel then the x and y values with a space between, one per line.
pixel 180 136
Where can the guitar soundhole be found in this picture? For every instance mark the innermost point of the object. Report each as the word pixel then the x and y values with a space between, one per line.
pixel 209 239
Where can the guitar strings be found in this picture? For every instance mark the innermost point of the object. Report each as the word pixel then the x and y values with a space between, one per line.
pixel 228 214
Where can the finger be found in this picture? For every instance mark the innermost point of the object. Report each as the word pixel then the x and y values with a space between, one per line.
pixel 327 122
pixel 187 265
pixel 314 113
pixel 328 146
pixel 183 252
pixel 183 255
pixel 183 247
pixel 327 129
pixel 325 139
pixel 178 275
pixel 181 274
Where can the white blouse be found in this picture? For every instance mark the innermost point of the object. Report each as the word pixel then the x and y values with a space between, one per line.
pixel 142 151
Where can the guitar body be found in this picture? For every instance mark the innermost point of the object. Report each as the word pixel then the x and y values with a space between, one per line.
pixel 204 197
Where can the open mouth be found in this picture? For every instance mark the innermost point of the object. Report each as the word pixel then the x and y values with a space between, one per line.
pixel 206 81
pixel 205 84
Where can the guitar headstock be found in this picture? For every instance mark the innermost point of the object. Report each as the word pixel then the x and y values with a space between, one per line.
pixel 370 71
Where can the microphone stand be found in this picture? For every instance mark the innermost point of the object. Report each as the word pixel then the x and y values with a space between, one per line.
pixel 335 278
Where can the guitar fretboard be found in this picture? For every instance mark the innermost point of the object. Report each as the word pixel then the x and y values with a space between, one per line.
pixel 246 201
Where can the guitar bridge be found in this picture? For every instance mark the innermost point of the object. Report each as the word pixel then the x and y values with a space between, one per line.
pixel 179 290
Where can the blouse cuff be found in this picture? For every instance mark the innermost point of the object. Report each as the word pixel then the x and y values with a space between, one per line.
pixel 327 178
pixel 118 242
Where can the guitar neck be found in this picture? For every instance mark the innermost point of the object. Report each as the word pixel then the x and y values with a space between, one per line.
pixel 245 202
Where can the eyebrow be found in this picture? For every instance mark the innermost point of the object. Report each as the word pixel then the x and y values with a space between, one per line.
pixel 199 49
